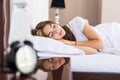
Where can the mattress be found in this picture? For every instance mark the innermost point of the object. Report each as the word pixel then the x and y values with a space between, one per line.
pixel 100 62
pixel 44 55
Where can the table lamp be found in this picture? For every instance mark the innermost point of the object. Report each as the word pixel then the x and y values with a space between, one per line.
pixel 57 4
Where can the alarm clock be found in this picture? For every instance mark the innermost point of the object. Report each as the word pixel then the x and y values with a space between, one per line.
pixel 22 57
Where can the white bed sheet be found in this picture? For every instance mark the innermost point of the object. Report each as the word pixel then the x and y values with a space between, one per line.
pixel 44 55
pixel 100 62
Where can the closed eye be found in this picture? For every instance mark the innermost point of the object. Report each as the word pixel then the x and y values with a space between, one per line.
pixel 52 26
pixel 50 34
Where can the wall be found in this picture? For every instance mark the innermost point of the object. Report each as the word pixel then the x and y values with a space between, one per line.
pixel 22 20
pixel 37 9
pixel 110 11
pixel 88 9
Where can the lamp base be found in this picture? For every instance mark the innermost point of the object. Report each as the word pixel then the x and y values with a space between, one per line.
pixel 57 17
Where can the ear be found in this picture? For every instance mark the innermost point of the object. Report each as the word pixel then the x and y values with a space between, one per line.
pixel 28 43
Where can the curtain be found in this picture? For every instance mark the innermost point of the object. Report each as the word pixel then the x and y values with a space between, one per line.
pixel 4 30
pixel 6 17
pixel 4 27
pixel 1 32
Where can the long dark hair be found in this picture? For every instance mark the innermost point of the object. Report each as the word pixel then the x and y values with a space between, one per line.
pixel 38 31
pixel 69 35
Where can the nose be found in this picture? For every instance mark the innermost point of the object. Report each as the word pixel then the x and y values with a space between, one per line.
pixel 56 31
pixel 57 62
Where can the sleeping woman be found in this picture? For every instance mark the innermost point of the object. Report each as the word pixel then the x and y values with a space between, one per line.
pixel 78 33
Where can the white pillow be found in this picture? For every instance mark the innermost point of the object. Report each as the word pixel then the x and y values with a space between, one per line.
pixel 44 44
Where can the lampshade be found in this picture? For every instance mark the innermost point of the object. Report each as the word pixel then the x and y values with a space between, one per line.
pixel 57 4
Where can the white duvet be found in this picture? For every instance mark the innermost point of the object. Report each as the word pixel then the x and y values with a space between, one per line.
pixel 103 61
pixel 110 34
pixel 100 62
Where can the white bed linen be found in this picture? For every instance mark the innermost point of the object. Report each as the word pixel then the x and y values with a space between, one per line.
pixel 110 34
pixel 48 45
pixel 44 55
pixel 100 62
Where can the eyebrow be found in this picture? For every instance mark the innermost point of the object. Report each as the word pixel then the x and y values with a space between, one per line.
pixel 49 34
pixel 51 27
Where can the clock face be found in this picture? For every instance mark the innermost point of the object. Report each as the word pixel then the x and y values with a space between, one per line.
pixel 26 59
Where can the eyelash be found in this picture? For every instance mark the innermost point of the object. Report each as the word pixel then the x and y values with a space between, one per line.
pixel 52 32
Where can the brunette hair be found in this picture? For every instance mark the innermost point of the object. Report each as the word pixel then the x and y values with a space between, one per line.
pixel 69 35
pixel 38 31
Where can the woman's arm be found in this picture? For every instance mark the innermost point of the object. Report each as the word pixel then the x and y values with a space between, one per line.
pixel 87 50
pixel 94 39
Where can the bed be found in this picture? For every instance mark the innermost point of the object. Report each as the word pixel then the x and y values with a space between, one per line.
pixel 99 66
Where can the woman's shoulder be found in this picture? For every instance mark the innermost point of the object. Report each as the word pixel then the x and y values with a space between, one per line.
pixel 78 19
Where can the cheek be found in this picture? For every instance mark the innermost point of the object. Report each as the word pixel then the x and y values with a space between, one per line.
pixel 46 65
pixel 57 66
pixel 59 62
pixel 57 37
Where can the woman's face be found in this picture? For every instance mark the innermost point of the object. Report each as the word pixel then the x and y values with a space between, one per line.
pixel 54 31
pixel 53 63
